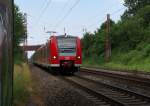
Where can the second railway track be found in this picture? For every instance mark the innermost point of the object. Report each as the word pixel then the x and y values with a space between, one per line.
pixel 131 77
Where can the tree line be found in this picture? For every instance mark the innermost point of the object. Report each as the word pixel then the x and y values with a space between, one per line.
pixel 130 35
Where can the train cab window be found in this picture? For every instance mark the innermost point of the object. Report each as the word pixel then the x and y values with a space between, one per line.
pixel 67 46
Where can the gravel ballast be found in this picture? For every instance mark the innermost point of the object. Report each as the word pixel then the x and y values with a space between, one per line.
pixel 49 90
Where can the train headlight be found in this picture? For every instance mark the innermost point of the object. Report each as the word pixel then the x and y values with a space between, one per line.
pixel 78 57
pixel 54 57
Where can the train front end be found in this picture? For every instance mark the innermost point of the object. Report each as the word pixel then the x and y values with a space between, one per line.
pixel 66 53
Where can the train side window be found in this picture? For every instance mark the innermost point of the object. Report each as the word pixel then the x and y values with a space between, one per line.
pixel 1 29
pixel 1 20
pixel 2 24
pixel 48 48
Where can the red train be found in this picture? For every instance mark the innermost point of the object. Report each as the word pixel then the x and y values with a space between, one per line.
pixel 60 52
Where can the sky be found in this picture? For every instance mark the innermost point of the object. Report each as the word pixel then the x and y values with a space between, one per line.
pixel 73 15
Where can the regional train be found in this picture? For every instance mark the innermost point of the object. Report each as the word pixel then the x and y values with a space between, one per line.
pixel 6 60
pixel 62 53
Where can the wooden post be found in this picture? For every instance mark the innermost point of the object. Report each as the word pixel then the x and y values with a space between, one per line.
pixel 26 36
pixel 107 40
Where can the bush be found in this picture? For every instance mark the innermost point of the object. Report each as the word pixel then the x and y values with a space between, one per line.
pixel 146 51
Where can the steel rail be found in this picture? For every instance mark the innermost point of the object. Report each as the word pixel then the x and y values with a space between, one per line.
pixel 140 96
pixel 137 79
pixel 115 95
pixel 110 101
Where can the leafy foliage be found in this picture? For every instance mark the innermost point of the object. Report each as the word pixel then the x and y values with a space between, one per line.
pixel 93 44
pixel 130 37
pixel 134 6
pixel 19 33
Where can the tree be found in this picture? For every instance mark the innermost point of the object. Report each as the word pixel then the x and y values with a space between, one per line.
pixel 87 42
pixel 144 15
pixel 93 44
pixel 133 6
pixel 131 35
pixel 19 33
pixel 126 35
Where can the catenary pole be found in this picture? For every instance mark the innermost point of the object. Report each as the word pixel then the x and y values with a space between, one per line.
pixel 107 40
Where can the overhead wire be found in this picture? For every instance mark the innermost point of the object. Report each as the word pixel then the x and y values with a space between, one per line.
pixel 45 8
pixel 117 11
pixel 97 15
pixel 62 9
pixel 43 11
pixel 67 14
pixel 103 18
pixel 65 5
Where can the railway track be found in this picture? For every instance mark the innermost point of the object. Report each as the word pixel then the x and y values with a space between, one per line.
pixel 107 95
pixel 92 94
pixel 142 81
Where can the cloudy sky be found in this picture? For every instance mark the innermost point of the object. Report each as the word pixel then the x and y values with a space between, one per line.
pixel 74 15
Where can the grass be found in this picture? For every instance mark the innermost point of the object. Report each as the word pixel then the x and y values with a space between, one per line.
pixel 22 82
pixel 133 61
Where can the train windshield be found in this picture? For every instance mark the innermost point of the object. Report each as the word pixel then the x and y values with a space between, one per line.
pixel 67 46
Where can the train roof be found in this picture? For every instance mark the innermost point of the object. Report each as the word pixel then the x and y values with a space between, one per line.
pixel 66 36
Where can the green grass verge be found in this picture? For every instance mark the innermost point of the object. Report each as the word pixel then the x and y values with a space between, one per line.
pixel 133 61
pixel 22 82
